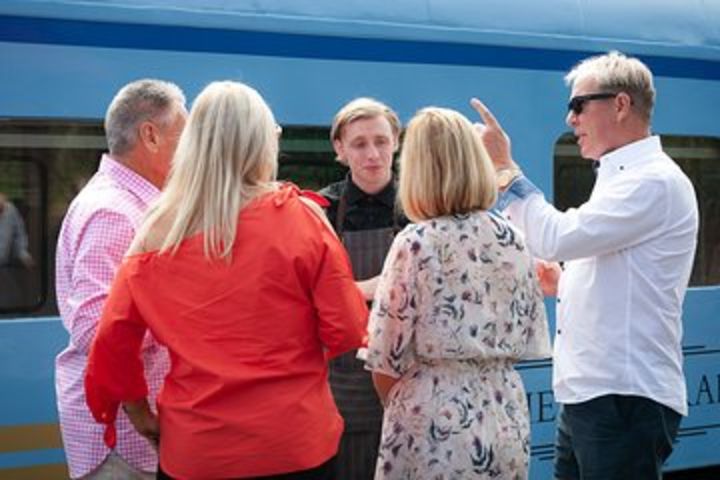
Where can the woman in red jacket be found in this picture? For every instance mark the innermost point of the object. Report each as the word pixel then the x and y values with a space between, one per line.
pixel 252 294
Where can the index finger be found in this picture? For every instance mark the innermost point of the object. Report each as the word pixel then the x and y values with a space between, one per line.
pixel 485 114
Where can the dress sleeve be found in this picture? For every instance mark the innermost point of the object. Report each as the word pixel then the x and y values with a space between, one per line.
pixel 340 305
pixel 115 367
pixel 536 330
pixel 395 310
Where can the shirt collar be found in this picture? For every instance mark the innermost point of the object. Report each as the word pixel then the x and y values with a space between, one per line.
pixel 354 194
pixel 128 178
pixel 630 155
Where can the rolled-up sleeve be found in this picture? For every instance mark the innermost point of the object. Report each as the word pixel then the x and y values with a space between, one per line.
pixel 624 214
pixel 101 248
pixel 115 367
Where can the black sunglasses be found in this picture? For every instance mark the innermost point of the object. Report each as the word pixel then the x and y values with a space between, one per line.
pixel 577 103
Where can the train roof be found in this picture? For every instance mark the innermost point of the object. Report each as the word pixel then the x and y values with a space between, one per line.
pixel 681 29
pixel 641 23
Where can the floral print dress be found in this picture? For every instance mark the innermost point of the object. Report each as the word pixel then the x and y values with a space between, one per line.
pixel 457 305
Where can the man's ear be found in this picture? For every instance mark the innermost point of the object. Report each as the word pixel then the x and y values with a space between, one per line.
pixel 339 149
pixel 149 136
pixel 623 105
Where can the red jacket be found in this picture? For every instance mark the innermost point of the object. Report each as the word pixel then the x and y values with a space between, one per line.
pixel 247 393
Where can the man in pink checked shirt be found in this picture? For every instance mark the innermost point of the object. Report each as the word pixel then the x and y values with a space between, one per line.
pixel 142 126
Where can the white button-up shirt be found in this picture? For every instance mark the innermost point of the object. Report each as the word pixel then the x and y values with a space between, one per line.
pixel 629 253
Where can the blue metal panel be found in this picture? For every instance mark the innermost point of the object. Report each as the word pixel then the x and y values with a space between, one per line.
pixel 666 26
pixel 193 39
pixel 32 457
pixel 27 354
pixel 658 23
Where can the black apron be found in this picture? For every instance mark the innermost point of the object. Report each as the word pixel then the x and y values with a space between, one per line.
pixel 351 384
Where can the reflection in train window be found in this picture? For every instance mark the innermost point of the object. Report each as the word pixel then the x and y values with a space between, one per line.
pixel 21 233
pixel 307 158
pixel 45 163
pixel 699 157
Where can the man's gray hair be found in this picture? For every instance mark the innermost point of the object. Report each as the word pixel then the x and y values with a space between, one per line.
pixel 616 72
pixel 137 102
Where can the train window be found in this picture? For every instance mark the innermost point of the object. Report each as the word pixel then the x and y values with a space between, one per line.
pixel 699 158
pixel 44 164
pixel 307 158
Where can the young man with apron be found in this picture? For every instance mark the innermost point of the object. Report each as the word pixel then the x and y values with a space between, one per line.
pixel 365 136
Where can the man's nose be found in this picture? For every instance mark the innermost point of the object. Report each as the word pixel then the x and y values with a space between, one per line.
pixel 570 118
pixel 373 152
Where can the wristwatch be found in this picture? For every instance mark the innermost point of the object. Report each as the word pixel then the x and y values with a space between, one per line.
pixel 505 176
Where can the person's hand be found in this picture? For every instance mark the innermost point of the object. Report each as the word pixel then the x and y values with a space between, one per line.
pixel 496 141
pixel 548 275
pixel 144 420
pixel 367 287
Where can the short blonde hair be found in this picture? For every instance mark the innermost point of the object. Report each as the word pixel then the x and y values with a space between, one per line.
pixel 360 109
pixel 616 72
pixel 227 155
pixel 444 167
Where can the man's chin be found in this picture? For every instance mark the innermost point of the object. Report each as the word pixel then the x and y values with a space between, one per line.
pixel 587 154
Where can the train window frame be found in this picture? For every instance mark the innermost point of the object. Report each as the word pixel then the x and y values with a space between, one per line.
pixel 688 151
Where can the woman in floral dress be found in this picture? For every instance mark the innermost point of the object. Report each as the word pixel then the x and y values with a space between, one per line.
pixel 458 304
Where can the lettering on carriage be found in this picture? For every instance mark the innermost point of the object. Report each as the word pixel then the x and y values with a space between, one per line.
pixel 542 406
pixel 705 392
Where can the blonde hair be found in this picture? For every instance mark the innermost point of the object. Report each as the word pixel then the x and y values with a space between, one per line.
pixel 616 72
pixel 226 156
pixel 360 109
pixel 444 167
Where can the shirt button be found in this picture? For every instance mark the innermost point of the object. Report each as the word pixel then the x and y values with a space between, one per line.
pixel 557 300
pixel 559 331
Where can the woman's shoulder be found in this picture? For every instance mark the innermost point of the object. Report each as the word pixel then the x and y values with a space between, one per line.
pixel 505 232
pixel 480 226
pixel 292 211
pixel 418 236
pixel 153 236
pixel 440 227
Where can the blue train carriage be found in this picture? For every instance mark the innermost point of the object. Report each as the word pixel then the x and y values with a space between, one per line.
pixel 62 61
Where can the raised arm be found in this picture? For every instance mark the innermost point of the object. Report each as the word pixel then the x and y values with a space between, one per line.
pixel 496 141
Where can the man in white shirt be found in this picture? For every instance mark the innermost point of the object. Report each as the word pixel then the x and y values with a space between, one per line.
pixel 628 253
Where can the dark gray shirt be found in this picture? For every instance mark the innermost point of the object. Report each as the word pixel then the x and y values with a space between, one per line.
pixel 364 211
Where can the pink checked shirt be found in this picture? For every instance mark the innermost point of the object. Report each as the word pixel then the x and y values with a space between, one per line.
pixel 96 232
